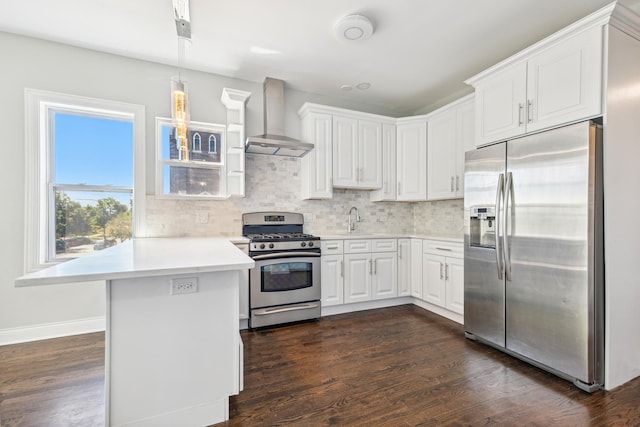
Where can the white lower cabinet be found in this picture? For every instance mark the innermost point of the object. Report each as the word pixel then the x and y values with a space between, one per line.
pixel 332 279
pixel 454 298
pixel 416 268
pixel 384 278
pixel 358 270
pixel 357 277
pixel 404 267
pixel 244 285
pixel 443 275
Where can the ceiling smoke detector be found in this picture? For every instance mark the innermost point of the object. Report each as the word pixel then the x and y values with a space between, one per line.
pixel 354 28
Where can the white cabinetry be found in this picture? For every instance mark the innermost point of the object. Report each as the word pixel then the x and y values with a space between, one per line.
pixel 404 267
pixel 235 101
pixel 443 275
pixel 371 269
pixel 389 180
pixel 416 268
pixel 244 285
pixel 316 166
pixel 554 82
pixel 411 163
pixel 410 267
pixel 450 134
pixel 358 270
pixel 357 153
pixel 332 273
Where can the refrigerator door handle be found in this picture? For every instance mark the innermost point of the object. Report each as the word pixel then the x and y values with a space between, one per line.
pixel 505 225
pixel 499 254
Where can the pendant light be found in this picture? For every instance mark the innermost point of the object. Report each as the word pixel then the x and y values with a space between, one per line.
pixel 179 98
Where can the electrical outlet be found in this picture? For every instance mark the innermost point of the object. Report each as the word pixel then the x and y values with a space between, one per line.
pixel 184 285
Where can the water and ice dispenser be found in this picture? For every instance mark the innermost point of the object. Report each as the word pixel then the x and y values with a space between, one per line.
pixel 482 231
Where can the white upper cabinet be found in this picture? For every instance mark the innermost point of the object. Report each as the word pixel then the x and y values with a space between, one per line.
pixel 411 162
pixel 564 82
pixel 357 153
pixel 389 180
pixel 316 166
pixel 500 102
pixel 556 81
pixel 450 134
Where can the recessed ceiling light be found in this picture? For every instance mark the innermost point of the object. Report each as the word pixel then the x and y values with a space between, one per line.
pixel 346 88
pixel 363 85
pixel 353 28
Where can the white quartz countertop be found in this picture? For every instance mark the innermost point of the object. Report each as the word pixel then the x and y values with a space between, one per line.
pixel 145 258
pixel 345 236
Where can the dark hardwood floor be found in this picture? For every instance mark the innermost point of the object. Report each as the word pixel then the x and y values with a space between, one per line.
pixel 400 366
pixel 56 382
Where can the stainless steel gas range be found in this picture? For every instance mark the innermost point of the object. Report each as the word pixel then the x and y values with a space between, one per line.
pixel 284 285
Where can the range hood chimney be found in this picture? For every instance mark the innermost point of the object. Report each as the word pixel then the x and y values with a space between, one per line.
pixel 273 141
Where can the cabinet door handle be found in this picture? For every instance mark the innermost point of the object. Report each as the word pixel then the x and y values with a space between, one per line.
pixel 446 272
pixel 457 183
pixel 375 266
pixel 341 268
pixel 370 267
pixel 441 276
pixel 529 111
pixel 399 251
pixel 520 114
pixel 452 184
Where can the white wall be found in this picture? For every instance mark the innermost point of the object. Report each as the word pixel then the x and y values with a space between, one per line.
pixel 31 313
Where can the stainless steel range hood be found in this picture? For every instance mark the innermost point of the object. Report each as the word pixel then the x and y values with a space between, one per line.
pixel 273 141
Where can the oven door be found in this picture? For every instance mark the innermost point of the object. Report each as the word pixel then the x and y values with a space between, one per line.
pixel 284 278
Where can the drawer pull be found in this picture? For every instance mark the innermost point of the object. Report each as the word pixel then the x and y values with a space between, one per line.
pixel 444 249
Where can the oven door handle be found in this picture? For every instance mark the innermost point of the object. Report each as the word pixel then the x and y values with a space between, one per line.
pixel 266 311
pixel 286 255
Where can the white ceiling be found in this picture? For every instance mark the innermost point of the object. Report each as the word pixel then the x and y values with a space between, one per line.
pixel 419 54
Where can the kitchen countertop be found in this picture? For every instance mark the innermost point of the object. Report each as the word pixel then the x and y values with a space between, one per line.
pixel 356 235
pixel 146 257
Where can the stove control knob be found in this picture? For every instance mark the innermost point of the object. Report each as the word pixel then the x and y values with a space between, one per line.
pixel 310 244
pixel 262 246
pixel 303 244
pixel 271 245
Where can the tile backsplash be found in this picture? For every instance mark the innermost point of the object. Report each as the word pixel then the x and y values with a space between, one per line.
pixel 273 183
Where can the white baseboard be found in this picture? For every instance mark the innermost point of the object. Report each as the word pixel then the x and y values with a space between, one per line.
pixel 458 318
pixel 51 330
pixel 367 305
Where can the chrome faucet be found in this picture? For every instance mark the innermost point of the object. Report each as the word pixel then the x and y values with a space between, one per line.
pixel 351 226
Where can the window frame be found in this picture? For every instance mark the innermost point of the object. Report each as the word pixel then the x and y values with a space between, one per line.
pixel 221 166
pixel 39 132
pixel 215 144
pixel 199 139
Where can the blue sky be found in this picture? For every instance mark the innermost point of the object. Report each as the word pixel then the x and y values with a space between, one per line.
pixel 96 151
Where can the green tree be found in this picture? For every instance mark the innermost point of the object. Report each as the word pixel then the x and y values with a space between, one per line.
pixel 105 211
pixel 120 226
pixel 71 218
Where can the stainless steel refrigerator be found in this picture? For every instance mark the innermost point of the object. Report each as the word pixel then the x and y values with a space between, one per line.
pixel 533 241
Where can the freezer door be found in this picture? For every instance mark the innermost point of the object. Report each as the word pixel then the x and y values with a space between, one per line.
pixel 549 246
pixel 483 287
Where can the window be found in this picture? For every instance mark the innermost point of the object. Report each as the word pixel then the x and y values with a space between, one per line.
pixel 197 142
pixel 202 176
pixel 213 144
pixel 84 165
